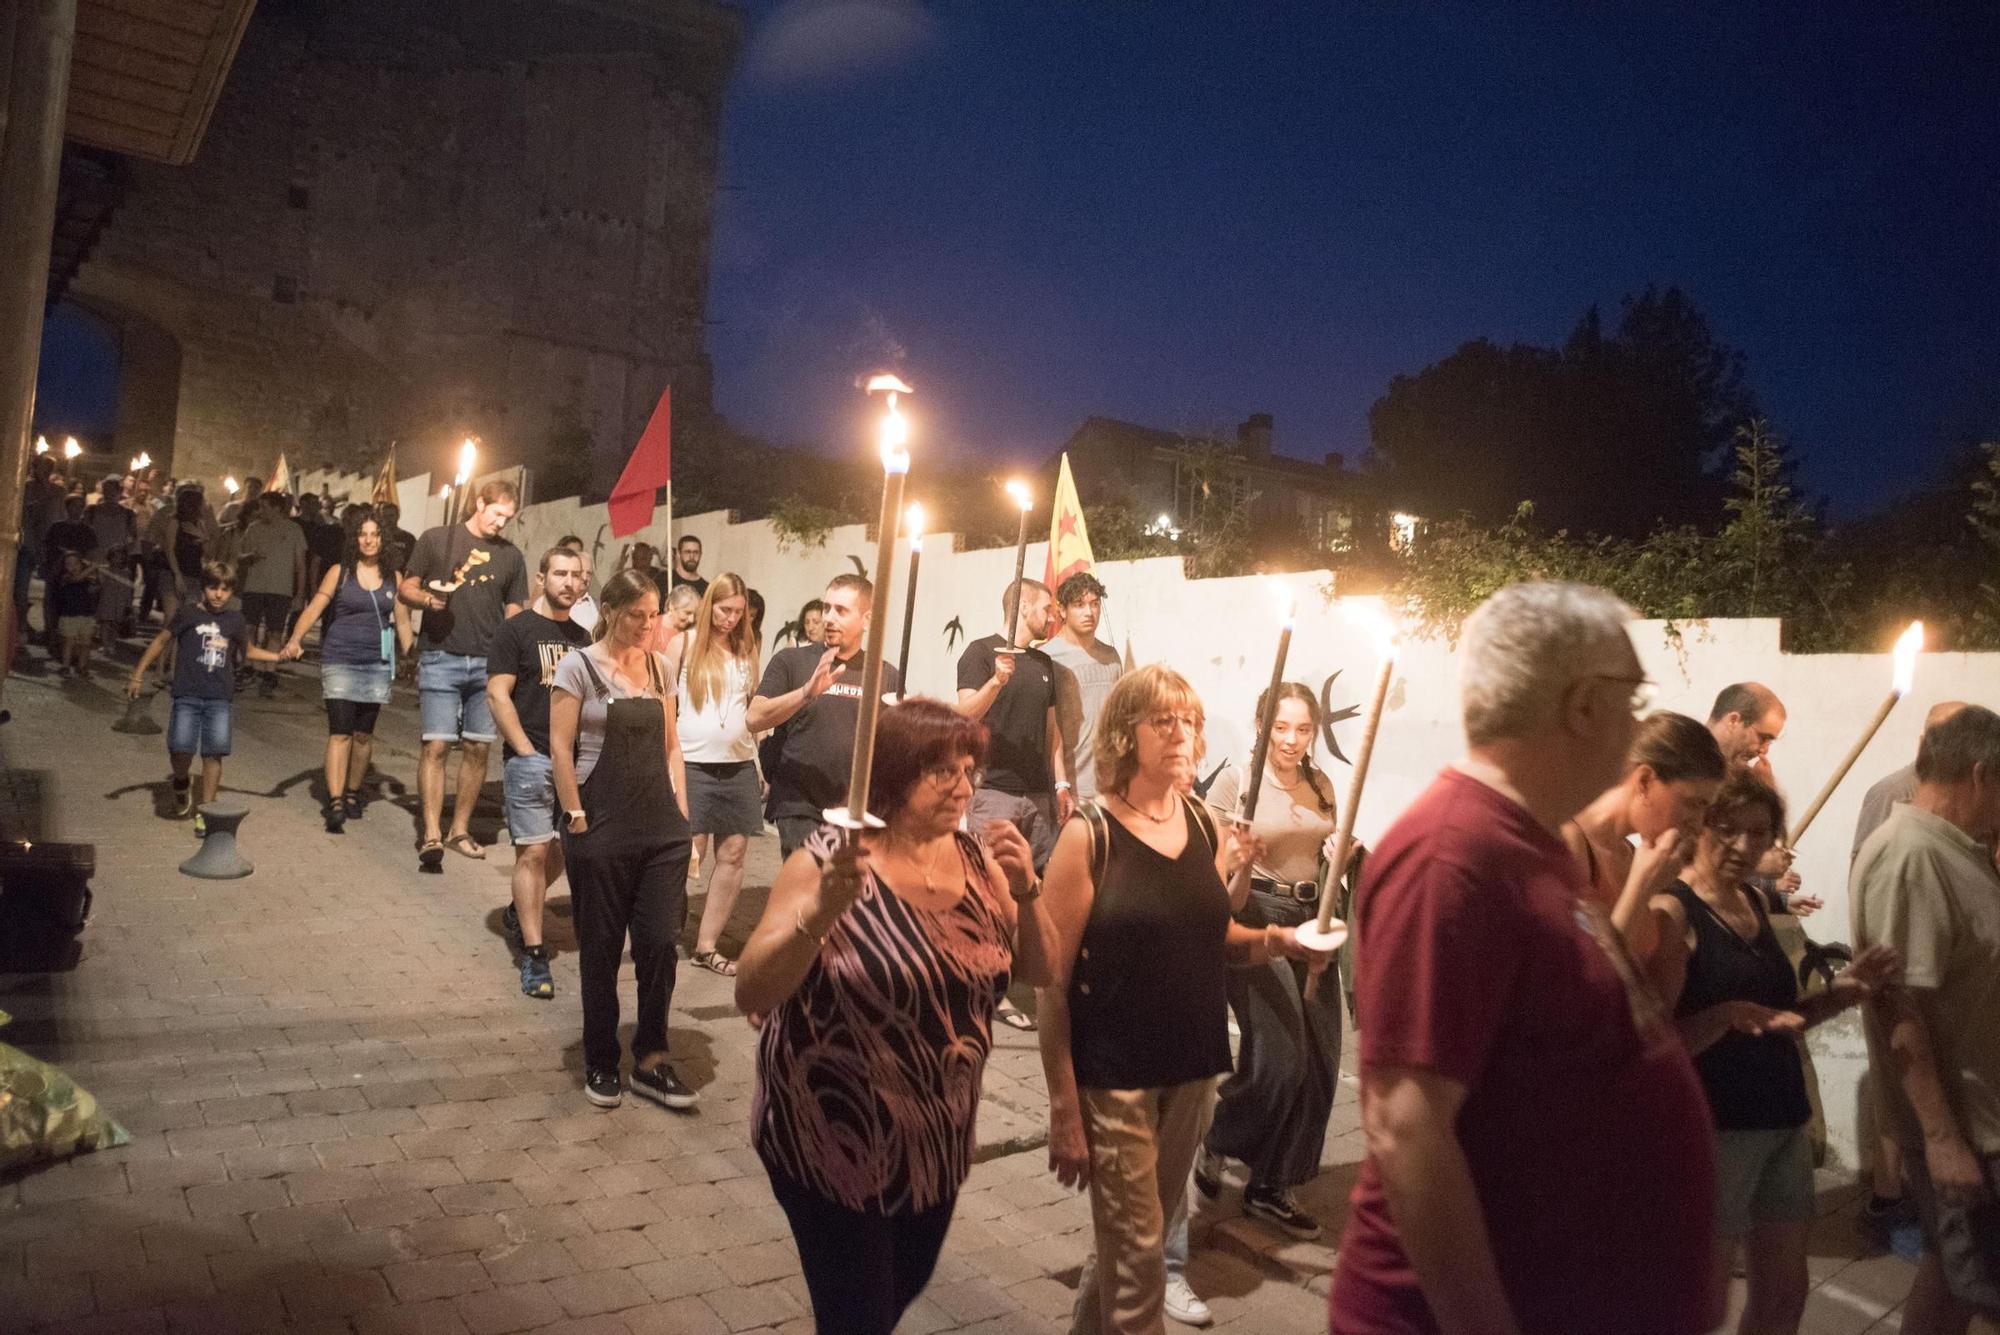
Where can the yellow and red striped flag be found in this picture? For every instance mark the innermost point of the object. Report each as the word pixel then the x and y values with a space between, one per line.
pixel 1069 541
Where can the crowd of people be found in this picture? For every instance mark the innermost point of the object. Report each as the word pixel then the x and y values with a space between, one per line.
pixel 1582 1089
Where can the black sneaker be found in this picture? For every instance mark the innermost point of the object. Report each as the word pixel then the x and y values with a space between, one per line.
pixel 662 1086
pixel 1276 1206
pixel 352 805
pixel 510 924
pixel 601 1087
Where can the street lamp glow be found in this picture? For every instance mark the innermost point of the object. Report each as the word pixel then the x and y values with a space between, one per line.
pixel 913 524
pixel 1019 491
pixel 71 449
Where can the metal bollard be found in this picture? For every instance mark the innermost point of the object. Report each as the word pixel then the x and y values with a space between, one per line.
pixel 219 859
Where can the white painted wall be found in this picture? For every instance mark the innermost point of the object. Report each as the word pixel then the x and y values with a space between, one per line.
pixel 1221 634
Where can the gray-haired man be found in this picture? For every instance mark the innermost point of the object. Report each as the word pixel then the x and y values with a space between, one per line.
pixel 1925 884
pixel 1540 1155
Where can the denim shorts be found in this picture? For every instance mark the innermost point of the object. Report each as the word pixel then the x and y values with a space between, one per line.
pixel 1762 1177
pixel 363 683
pixel 530 786
pixel 198 725
pixel 451 697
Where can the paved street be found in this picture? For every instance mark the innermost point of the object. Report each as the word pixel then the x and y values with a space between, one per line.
pixel 347 1118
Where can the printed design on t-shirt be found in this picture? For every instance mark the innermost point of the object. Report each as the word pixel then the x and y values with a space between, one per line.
pixel 1649 1015
pixel 214 646
pixel 551 652
pixel 844 692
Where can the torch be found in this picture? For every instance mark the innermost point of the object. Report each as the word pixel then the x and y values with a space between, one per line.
pixel 41 444
pixel 71 449
pixel 468 459
pixel 854 816
pixel 1019 491
pixel 915 521
pixel 1905 659
pixel 1323 935
pixel 1267 716
pixel 229 484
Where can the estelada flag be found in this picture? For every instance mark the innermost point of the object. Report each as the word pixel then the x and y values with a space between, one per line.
pixel 1069 541
pixel 385 479
pixel 650 468
pixel 281 476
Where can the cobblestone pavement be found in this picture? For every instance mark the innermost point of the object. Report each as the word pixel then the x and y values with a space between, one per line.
pixel 346 1118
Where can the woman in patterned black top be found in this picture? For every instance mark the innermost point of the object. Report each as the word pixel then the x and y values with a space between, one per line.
pixel 876 969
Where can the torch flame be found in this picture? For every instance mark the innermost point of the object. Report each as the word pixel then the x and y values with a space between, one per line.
pixel 913 522
pixel 229 485
pixel 1019 491
pixel 41 444
pixel 1376 623
pixel 468 459
pixel 895 430
pixel 878 384
pixel 1907 649
pixel 1281 592
pixel 70 448
pixel 444 492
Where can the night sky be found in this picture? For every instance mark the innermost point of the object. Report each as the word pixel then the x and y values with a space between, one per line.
pixel 1181 214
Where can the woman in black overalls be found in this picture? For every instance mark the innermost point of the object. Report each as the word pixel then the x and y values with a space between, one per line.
pixel 619 777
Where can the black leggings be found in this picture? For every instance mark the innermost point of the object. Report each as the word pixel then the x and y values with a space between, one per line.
pixel 346 717
pixel 862 1270
pixel 625 882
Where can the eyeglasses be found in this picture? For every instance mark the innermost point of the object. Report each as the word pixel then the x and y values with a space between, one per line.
pixel 944 778
pixel 1164 723
pixel 1644 689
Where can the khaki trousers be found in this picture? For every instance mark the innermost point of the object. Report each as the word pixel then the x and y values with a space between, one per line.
pixel 1142 1144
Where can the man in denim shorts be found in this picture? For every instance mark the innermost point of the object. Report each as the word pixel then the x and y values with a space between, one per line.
pixel 466 579
pixel 521 668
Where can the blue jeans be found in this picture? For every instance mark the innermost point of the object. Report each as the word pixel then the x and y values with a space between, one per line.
pixel 199 725
pixel 451 697
pixel 529 783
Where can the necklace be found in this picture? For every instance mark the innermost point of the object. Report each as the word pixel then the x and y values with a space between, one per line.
pixel 927 869
pixel 1145 815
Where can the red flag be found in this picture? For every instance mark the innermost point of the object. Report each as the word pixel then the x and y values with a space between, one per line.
pixel 1069 542
pixel 650 468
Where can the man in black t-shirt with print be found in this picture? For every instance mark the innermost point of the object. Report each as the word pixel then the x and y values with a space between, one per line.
pixel 812 694
pixel 466 579
pixel 1015 695
pixel 520 667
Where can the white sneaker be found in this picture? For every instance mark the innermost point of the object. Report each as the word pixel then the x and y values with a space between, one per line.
pixel 1184 1305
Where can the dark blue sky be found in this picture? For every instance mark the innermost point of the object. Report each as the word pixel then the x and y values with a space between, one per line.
pixel 1180 214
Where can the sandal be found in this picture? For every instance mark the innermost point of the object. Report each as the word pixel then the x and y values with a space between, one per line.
pixel 1010 1014
pixel 466 846
pixel 715 962
pixel 430 856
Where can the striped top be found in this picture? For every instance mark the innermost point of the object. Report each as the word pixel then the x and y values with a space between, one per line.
pixel 868 1075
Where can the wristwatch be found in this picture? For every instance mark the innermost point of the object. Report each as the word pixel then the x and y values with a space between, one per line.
pixel 1062 785
pixel 578 814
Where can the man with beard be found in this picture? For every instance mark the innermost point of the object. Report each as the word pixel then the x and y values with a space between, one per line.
pixel 1012 689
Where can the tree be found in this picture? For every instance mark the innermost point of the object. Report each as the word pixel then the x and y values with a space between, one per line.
pixel 1985 521
pixel 1770 531
pixel 1607 434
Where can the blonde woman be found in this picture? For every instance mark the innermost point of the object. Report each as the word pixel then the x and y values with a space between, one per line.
pixel 1135 1021
pixel 620 779
pixel 725 797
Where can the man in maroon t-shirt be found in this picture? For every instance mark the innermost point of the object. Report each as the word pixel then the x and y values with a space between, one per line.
pixel 1540 1157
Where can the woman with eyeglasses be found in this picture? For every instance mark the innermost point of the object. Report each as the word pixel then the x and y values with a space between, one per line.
pixel 1135 1020
pixel 1671 775
pixel 875 973
pixel 1739 1011
pixel 725 798
pixel 619 777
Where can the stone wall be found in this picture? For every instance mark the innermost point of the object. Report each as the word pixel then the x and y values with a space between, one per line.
pixel 418 222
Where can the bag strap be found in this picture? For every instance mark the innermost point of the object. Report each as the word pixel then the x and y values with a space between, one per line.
pixel 1099 828
pixel 1204 819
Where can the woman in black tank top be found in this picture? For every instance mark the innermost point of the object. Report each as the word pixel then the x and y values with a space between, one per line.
pixel 1134 1026
pixel 1740 1013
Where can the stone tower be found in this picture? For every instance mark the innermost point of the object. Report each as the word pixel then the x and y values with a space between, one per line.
pixel 415 221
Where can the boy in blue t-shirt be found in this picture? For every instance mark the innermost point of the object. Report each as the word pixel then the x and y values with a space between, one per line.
pixel 208 638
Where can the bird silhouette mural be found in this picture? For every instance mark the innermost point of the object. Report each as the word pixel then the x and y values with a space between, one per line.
pixel 859 569
pixel 954 631
pixel 1329 716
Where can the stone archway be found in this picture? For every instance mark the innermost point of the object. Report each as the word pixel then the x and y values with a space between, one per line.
pixel 149 381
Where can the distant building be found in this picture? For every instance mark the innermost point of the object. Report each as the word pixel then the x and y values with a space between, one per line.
pixel 1294 506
